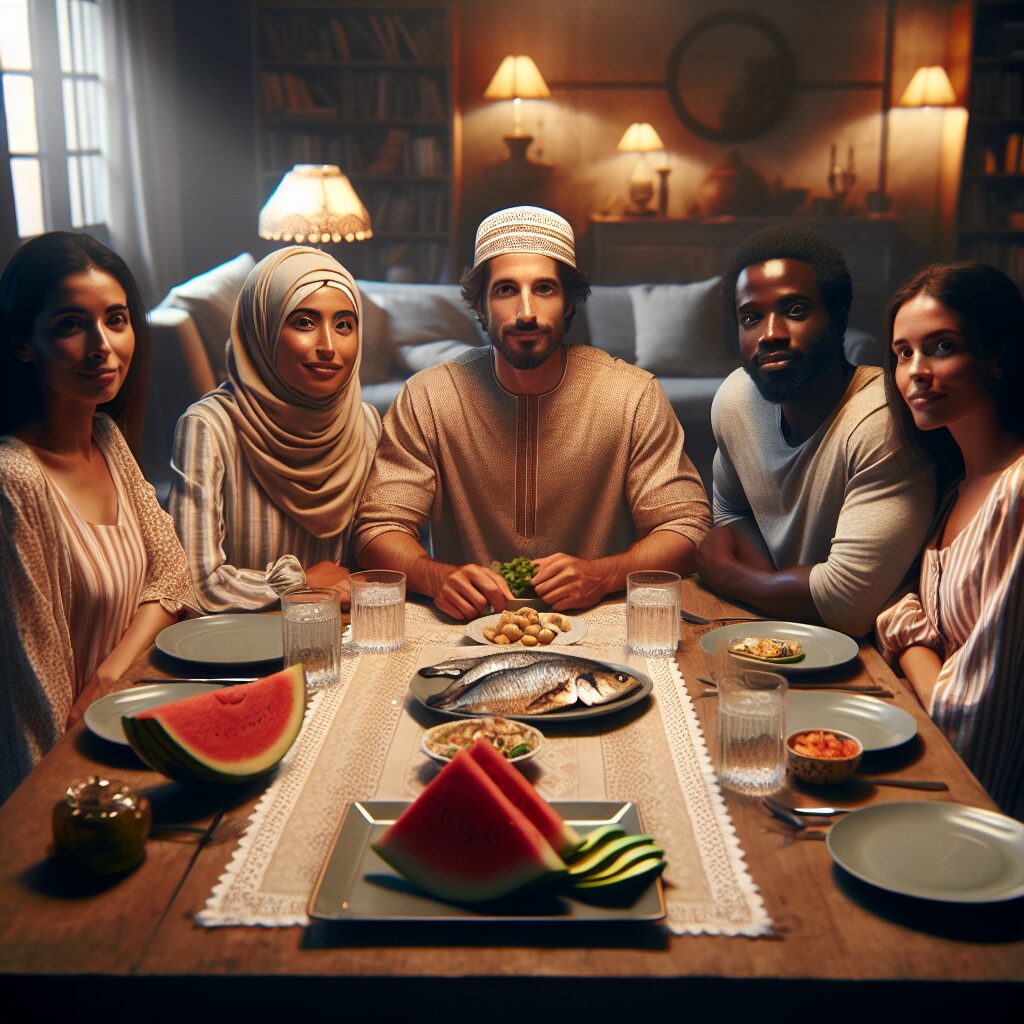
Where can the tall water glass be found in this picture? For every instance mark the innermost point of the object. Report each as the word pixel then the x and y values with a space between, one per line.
pixel 378 609
pixel 312 634
pixel 652 612
pixel 752 731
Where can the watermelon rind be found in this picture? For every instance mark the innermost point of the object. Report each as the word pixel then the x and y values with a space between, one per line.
pixel 463 840
pixel 161 736
pixel 563 838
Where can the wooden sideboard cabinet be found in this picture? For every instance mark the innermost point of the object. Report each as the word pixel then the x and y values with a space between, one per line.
pixel 656 250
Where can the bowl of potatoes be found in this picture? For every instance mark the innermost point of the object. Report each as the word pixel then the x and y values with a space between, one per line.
pixel 526 627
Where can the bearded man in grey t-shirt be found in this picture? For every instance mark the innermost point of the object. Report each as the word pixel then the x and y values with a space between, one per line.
pixel 818 511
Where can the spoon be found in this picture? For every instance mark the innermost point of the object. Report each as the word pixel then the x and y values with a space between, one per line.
pixel 699 620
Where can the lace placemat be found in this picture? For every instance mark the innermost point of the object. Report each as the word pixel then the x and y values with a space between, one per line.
pixel 360 742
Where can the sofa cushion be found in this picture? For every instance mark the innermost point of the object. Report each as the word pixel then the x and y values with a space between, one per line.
pixel 380 361
pixel 419 357
pixel 679 329
pixel 210 299
pixel 861 348
pixel 606 321
pixel 422 313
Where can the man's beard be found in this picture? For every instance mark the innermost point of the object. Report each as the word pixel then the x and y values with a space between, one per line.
pixel 529 358
pixel 797 377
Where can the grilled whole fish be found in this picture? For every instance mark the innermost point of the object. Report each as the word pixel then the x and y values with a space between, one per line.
pixel 497 685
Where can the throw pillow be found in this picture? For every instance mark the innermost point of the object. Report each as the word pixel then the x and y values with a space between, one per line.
pixel 210 299
pixel 423 313
pixel 608 318
pixel 419 357
pixel 680 330
pixel 379 362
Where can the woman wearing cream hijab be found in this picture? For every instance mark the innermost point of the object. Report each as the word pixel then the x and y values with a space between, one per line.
pixel 273 462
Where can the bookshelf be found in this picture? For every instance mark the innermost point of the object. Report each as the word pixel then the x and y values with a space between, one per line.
pixel 990 223
pixel 368 86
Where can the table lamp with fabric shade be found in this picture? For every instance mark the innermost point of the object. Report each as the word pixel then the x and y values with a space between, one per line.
pixel 517 79
pixel 315 203
pixel 641 138
pixel 930 87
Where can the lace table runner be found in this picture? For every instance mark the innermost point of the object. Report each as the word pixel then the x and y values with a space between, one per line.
pixel 360 742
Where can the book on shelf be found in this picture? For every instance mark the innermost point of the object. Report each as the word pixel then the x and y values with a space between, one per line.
pixel 1012 157
pixel 344 51
pixel 392 156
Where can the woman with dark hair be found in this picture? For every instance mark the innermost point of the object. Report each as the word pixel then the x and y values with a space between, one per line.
pixel 274 460
pixel 90 567
pixel 953 372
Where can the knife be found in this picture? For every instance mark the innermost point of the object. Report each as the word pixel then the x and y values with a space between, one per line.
pixel 904 783
pixel 783 812
pixel 226 680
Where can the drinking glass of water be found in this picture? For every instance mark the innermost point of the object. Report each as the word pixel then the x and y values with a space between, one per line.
pixel 751 731
pixel 312 634
pixel 378 609
pixel 652 612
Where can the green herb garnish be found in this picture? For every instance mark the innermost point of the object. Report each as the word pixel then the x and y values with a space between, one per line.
pixel 518 573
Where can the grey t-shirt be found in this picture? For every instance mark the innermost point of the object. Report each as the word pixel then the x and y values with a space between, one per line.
pixel 848 501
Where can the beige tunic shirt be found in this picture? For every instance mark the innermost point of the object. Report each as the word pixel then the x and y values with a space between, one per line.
pixel 587 468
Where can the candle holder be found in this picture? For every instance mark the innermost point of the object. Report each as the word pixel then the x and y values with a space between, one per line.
pixel 840 178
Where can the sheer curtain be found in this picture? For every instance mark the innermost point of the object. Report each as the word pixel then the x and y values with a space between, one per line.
pixel 145 194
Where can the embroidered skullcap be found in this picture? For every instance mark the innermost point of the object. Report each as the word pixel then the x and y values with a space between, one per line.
pixel 525 229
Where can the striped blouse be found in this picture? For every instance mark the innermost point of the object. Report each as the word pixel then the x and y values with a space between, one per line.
pixel 970 611
pixel 69 590
pixel 108 570
pixel 230 529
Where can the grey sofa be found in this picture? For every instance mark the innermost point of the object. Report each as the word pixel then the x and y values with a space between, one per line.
pixel 677 331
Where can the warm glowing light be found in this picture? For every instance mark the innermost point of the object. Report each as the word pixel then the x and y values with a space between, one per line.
pixel 315 203
pixel 640 138
pixel 930 87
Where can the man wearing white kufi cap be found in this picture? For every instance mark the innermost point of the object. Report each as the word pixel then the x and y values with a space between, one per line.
pixel 529 447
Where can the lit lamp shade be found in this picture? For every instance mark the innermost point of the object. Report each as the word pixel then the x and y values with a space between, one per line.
pixel 315 203
pixel 640 138
pixel 517 78
pixel 930 87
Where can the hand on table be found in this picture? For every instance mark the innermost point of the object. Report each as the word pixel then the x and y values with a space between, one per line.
pixel 470 590
pixel 331 576
pixel 564 582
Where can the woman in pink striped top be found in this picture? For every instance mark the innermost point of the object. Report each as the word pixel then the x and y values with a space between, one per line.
pixel 955 368
pixel 90 567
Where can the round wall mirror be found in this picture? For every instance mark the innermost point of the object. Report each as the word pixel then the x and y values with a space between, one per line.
pixel 729 77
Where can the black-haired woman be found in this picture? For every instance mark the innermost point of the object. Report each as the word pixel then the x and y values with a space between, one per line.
pixel 90 566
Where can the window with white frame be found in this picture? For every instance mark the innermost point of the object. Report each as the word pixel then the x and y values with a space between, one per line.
pixel 51 59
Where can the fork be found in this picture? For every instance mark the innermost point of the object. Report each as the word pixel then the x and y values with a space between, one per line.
pixel 699 620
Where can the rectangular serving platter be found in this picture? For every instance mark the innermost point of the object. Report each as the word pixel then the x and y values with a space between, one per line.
pixel 357 885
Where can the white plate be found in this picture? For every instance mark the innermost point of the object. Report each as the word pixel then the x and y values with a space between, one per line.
pixel 935 851
pixel 877 724
pixel 475 631
pixel 103 716
pixel 823 648
pixel 438 733
pixel 234 639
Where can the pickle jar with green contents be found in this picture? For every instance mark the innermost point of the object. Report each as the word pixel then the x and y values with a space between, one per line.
pixel 101 827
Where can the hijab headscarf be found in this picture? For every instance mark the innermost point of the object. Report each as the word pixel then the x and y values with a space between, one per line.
pixel 308 454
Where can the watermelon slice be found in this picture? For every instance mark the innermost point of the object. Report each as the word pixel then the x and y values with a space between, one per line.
pixel 463 840
pixel 549 823
pixel 230 735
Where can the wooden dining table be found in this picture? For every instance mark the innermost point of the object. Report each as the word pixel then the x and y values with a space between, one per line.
pixel 838 947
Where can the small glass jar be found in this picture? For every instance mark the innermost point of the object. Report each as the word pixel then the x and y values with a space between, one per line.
pixel 101 826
